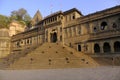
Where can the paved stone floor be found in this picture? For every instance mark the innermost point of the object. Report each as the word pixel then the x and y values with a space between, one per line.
pixel 99 73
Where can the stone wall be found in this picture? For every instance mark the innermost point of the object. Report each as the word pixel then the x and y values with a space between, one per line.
pixel 4 43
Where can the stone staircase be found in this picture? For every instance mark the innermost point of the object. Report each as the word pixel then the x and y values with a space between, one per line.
pixel 53 56
pixel 14 56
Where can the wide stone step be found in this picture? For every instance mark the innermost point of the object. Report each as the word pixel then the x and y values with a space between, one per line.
pixel 53 55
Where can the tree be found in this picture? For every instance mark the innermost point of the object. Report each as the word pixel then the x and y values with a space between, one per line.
pixel 21 15
pixel 4 21
pixel 13 15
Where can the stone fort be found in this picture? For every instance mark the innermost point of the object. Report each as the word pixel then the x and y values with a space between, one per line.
pixel 93 36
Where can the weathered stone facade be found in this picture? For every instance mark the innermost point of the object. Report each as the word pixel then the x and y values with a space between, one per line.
pixel 97 33
pixel 16 27
pixel 4 43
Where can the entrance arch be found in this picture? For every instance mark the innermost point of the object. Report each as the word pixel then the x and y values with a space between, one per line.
pixel 117 46
pixel 79 47
pixel 54 37
pixel 106 47
pixel 96 48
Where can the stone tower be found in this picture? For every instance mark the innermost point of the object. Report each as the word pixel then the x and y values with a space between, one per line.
pixel 37 18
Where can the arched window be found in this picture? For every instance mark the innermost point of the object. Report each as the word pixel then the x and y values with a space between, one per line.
pixel 31 41
pixel 73 16
pixel 79 47
pixel 27 41
pixel 95 29
pixel 103 25
pixel 114 25
pixel 96 48
pixel 106 47
pixel 117 46
pixel 18 44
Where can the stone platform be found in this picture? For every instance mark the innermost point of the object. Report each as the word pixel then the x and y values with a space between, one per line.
pixel 98 73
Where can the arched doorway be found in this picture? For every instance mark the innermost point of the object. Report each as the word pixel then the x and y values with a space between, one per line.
pixel 117 46
pixel 96 48
pixel 53 37
pixel 79 47
pixel 106 47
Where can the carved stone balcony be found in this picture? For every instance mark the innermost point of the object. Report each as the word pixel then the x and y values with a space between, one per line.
pixel 105 34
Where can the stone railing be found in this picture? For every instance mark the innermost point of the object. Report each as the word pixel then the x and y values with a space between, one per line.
pixel 104 34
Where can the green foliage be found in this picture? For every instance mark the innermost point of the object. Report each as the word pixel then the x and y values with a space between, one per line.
pixel 21 15
pixel 4 21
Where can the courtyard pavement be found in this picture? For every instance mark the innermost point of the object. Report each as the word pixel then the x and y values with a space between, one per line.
pixel 98 73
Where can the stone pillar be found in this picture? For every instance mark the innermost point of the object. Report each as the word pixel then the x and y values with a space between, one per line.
pixel 32 40
pixel 40 38
pixel 112 46
pixel 92 48
pixel 35 40
pixel 48 38
pixel 68 34
pixel 25 42
pixel 101 47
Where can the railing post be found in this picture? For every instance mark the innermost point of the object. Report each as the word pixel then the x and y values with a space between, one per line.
pixel 113 61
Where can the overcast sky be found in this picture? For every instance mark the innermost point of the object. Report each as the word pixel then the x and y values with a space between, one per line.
pixel 48 6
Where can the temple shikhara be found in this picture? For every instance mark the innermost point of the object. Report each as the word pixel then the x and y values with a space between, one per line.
pixel 66 39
